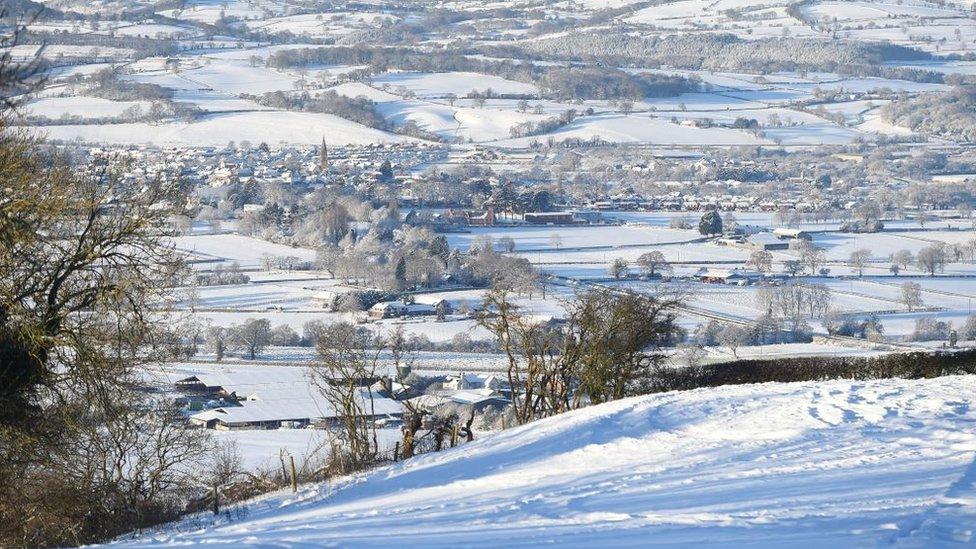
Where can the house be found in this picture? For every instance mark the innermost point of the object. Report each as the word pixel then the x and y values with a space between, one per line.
pixel 394 309
pixel 394 389
pixel 388 309
pixel 438 303
pixel 727 276
pixel 465 381
pixel 274 397
pixel 486 219
pixel 730 241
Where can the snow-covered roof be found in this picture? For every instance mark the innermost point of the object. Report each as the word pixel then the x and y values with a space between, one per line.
pixel 464 397
pixel 278 407
pixel 764 238
pixel 278 394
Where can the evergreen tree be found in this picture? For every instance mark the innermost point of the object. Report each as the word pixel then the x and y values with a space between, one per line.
pixel 710 223
pixel 400 274
pixel 440 248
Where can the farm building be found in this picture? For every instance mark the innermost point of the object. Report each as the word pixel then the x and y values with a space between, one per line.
pixel 587 216
pixel 476 399
pixel 466 381
pixel 394 309
pixel 257 413
pixel 549 218
pixel 791 234
pixel 727 276
pixel 274 398
pixel 766 241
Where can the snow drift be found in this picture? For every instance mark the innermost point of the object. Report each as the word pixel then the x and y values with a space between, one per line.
pixel 831 464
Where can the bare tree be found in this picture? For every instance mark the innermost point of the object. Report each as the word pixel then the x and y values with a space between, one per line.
pixel 733 336
pixel 619 268
pixel 507 244
pixel 348 363
pixel 931 258
pixel 761 260
pixel 17 79
pixel 858 260
pixel 792 266
pixel 556 241
pixel 252 336
pixel 653 262
pixel 911 296
pixel 902 258
pixel 811 256
pixel 217 339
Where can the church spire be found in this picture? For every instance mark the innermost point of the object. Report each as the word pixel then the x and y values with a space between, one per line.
pixel 324 157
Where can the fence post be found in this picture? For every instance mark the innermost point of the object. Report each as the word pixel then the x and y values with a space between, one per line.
pixel 396 452
pixel 454 436
pixel 216 500
pixel 294 476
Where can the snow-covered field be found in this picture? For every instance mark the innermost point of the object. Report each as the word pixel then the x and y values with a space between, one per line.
pixel 246 251
pixel 578 254
pixel 271 127
pixel 458 83
pixel 227 66
pixel 830 464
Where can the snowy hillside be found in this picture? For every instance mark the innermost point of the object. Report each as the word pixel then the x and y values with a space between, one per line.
pixel 832 464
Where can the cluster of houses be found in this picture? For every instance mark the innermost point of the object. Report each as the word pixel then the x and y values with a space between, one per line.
pixel 309 165
pixel 455 218
pixel 679 202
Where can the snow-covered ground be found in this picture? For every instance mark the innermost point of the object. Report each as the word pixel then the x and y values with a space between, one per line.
pixel 829 464
pixel 272 127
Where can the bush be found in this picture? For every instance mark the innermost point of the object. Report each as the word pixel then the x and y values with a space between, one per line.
pixel 930 329
pixel 914 365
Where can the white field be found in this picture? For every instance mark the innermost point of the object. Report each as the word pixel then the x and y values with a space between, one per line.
pixel 829 464
pixel 272 127
pixel 86 107
pixel 642 128
pixel 213 75
pixel 208 11
pixel 246 251
pixel 228 77
pixel 459 83
pixel 532 238
pixel 322 24
pixel 465 122
pixel 585 252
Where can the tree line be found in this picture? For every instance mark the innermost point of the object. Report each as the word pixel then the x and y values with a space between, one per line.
pixel 555 81
pixel 724 52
